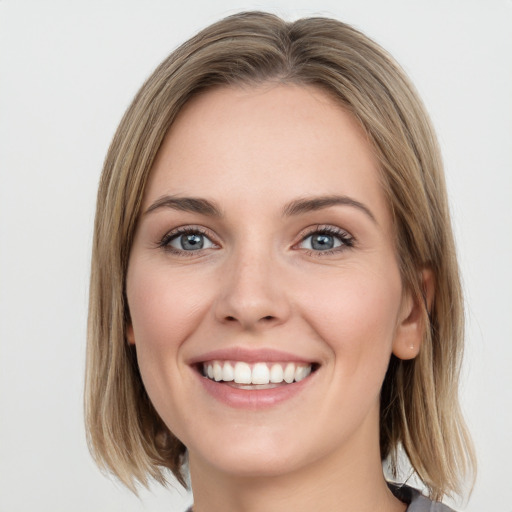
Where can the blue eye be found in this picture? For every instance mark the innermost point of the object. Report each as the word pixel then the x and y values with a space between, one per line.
pixel 326 240
pixel 188 241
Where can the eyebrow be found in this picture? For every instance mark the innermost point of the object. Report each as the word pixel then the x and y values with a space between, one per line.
pixel 305 205
pixel 186 204
pixel 296 207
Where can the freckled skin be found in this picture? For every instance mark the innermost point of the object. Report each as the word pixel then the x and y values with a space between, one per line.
pixel 258 285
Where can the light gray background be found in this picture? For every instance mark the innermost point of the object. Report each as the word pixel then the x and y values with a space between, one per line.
pixel 68 70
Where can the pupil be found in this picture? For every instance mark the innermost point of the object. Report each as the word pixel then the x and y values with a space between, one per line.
pixel 192 241
pixel 322 242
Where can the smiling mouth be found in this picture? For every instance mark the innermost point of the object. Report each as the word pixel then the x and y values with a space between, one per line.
pixel 260 375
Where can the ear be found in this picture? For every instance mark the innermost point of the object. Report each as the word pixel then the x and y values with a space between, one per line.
pixel 411 322
pixel 130 336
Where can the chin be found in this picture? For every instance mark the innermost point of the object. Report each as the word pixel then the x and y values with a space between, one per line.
pixel 253 452
pixel 257 463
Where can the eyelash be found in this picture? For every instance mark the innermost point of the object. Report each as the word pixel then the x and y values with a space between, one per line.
pixel 185 230
pixel 347 241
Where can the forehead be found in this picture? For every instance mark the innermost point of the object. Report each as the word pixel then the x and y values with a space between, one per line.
pixel 270 141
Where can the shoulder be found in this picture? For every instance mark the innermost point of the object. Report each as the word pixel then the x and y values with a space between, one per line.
pixel 417 502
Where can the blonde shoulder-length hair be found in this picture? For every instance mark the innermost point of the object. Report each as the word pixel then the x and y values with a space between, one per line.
pixel 419 401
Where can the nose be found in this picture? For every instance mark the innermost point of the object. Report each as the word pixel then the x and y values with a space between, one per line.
pixel 252 294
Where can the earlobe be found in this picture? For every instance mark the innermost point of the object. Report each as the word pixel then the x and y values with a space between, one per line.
pixel 130 336
pixel 413 318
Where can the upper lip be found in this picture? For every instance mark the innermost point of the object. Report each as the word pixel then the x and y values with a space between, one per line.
pixel 249 356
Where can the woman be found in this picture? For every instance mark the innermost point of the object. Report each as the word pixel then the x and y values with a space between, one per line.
pixel 274 294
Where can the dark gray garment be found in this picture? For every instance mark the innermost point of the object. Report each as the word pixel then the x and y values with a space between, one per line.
pixel 416 501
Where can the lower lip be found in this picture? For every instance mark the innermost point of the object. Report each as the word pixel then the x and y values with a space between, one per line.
pixel 253 398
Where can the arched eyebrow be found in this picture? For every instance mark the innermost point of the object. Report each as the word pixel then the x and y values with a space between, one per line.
pixel 186 204
pixel 295 207
pixel 309 204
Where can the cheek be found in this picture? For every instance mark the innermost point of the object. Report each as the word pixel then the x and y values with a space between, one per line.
pixel 355 313
pixel 163 310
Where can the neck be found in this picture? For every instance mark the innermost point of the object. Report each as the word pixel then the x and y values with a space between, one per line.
pixel 350 479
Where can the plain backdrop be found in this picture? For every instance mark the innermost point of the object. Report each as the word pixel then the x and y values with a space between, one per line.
pixel 69 69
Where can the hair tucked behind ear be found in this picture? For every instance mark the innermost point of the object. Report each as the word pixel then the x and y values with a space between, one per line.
pixel 419 405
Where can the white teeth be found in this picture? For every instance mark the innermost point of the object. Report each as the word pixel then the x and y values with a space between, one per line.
pixel 257 373
pixel 302 372
pixel 228 374
pixel 260 374
pixel 289 373
pixel 242 373
pixel 276 374
pixel 217 371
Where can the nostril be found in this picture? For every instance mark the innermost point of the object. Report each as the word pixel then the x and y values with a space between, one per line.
pixel 267 318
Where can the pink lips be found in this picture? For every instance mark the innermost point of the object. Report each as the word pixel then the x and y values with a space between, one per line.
pixel 249 356
pixel 238 397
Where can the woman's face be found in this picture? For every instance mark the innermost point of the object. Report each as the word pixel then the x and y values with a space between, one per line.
pixel 264 254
